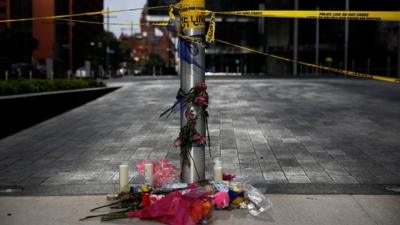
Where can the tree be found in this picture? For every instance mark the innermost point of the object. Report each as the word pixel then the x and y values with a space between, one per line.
pixel 155 61
pixel 118 51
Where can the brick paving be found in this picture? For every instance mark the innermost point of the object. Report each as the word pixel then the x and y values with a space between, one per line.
pixel 274 131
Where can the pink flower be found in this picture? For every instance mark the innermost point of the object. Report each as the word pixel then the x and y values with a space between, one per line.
pixel 200 140
pixel 201 101
pixel 177 143
pixel 140 166
pixel 203 94
pixel 165 165
pixel 201 86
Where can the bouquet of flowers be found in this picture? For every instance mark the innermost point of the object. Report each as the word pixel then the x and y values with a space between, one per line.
pixel 186 207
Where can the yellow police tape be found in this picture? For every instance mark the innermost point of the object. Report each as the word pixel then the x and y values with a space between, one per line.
pixel 193 14
pixel 191 4
pixel 210 36
pixel 160 24
pixel 195 19
pixel 330 69
pixel 331 15
pixel 103 12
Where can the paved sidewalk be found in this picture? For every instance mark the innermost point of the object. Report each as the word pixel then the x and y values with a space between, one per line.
pixel 283 132
pixel 287 209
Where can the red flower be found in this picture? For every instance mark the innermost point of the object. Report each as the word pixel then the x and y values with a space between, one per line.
pixel 200 140
pixel 201 101
pixel 177 143
pixel 228 177
pixel 201 86
pixel 146 200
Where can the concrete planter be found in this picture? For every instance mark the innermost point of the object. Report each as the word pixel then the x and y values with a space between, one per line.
pixel 18 112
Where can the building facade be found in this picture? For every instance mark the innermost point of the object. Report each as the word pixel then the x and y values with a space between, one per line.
pixel 43 30
pixel 377 52
pixel 83 34
pixel 151 42
pixel 66 43
pixel 4 13
pixel 16 38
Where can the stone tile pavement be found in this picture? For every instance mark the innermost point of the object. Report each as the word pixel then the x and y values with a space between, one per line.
pixel 273 131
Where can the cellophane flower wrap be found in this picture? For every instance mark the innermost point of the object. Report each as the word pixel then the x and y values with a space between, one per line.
pixel 164 172
pixel 186 207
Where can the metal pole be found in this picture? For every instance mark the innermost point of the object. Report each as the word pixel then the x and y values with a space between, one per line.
pixel 317 44
pixel 295 39
pixel 193 24
pixel 398 51
pixel 346 37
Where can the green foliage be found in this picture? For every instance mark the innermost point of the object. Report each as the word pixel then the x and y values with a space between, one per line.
pixel 120 51
pixel 155 60
pixel 13 87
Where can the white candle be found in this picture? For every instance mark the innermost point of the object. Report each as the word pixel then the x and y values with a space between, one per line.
pixel 148 172
pixel 217 170
pixel 123 178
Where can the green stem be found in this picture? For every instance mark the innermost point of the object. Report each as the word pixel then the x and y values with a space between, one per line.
pixel 103 206
pixel 100 215
pixel 114 216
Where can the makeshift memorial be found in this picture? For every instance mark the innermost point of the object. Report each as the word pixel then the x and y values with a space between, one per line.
pixel 192 204
pixel 161 197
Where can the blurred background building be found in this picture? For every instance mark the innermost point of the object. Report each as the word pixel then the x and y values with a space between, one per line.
pixel 153 51
pixel 362 46
pixel 4 13
pixel 66 43
pixel 14 38
pixel 372 46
